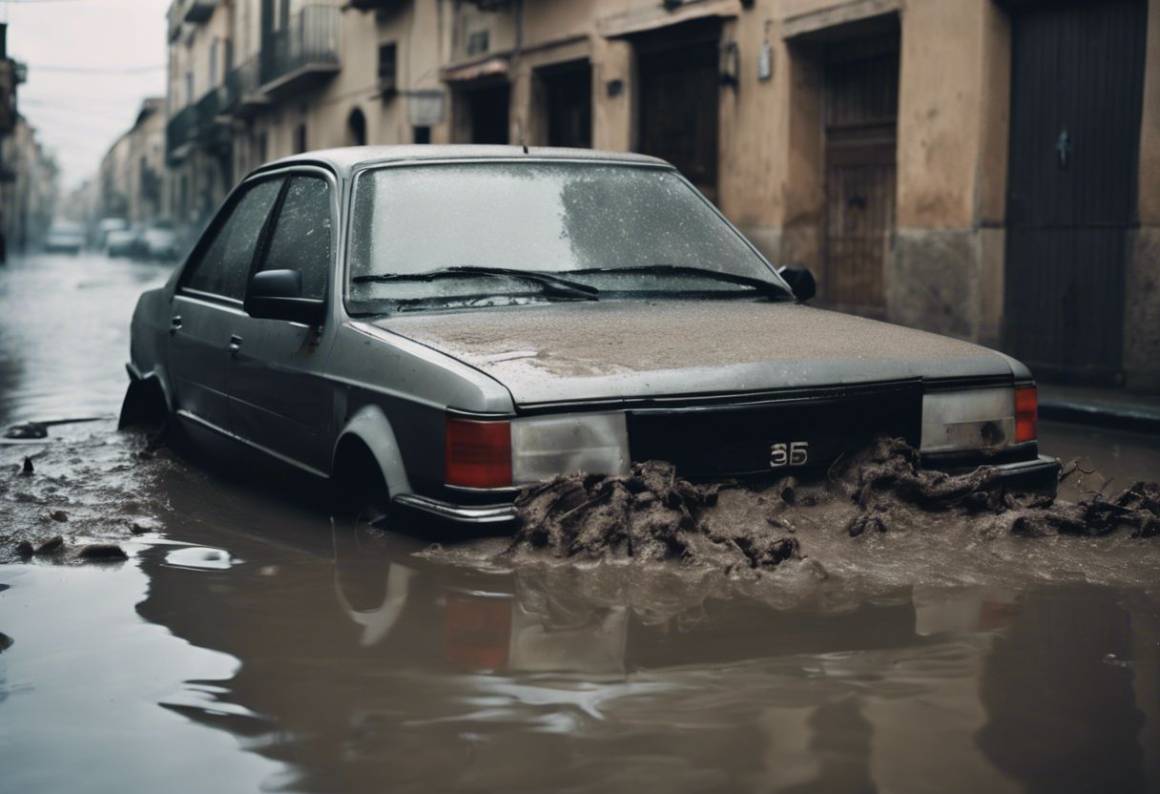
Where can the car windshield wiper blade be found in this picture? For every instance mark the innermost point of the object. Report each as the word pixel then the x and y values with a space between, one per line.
pixel 551 284
pixel 767 288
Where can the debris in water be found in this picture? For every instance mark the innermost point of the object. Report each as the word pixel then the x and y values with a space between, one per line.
pixel 59 516
pixel 27 469
pixel 102 552
pixel 54 545
pixel 28 431
pixel 143 526
pixel 24 550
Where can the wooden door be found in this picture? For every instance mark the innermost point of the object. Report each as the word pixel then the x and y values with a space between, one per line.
pixel 1077 85
pixel 678 113
pixel 861 122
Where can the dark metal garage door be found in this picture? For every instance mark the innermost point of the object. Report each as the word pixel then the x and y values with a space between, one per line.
pixel 1077 76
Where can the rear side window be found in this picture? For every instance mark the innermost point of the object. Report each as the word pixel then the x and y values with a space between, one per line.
pixel 302 232
pixel 223 266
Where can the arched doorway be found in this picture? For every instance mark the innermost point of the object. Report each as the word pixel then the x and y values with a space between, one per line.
pixel 356 128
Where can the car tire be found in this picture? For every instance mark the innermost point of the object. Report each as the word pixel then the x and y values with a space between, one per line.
pixel 359 491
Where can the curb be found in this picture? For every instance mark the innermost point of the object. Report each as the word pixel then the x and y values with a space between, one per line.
pixel 1139 420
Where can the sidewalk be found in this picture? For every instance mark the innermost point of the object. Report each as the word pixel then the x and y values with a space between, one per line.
pixel 1105 407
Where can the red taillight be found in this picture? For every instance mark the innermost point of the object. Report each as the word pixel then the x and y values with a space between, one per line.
pixel 477 454
pixel 1026 413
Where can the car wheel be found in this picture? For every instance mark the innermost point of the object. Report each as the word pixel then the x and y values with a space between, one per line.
pixel 359 490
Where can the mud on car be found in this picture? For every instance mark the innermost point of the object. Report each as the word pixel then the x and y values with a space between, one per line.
pixel 443 326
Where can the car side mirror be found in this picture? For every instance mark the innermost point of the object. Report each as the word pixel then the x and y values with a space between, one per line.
pixel 277 295
pixel 800 280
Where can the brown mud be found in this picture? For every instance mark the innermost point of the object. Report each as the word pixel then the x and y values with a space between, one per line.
pixel 653 515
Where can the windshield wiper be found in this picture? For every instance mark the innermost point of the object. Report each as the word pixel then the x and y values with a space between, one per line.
pixel 552 285
pixel 763 287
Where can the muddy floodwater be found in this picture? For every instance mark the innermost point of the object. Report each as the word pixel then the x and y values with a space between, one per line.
pixel 250 643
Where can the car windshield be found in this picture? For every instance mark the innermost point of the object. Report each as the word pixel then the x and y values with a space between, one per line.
pixel 485 234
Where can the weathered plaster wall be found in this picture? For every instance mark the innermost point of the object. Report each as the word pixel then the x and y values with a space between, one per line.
pixel 951 170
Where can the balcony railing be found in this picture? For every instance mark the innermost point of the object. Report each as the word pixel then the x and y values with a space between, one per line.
pixel 180 131
pixel 305 50
pixel 197 11
pixel 205 122
pixel 245 87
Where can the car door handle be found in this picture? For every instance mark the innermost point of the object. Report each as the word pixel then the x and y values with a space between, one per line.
pixel 235 345
pixel 175 324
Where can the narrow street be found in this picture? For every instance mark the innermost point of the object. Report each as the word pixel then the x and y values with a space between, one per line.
pixel 279 650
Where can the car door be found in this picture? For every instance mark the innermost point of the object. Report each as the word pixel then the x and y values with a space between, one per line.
pixel 207 305
pixel 278 398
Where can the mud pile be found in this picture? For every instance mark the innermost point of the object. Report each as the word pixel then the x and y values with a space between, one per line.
pixel 650 515
pixel 653 515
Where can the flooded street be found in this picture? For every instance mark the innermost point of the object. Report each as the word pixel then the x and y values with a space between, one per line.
pixel 250 643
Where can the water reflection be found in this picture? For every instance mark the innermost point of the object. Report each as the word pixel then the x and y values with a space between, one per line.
pixel 362 663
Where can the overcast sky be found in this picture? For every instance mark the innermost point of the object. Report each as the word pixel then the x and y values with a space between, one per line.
pixel 90 63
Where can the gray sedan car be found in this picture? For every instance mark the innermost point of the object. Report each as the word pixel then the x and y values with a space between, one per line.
pixel 441 326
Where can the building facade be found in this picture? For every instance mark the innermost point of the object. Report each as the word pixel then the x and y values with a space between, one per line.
pixel 28 189
pixel 132 176
pixel 982 168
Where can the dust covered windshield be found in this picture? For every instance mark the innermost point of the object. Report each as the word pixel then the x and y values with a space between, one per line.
pixel 509 232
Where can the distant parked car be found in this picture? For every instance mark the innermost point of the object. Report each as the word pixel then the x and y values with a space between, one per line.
pixel 64 239
pixel 442 326
pixel 123 243
pixel 160 243
pixel 106 226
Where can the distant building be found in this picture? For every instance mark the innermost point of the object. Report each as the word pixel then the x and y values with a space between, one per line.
pixel 131 177
pixel 28 174
pixel 28 189
pixel 984 168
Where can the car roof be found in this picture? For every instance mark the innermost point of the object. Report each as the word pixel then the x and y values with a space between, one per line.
pixel 346 159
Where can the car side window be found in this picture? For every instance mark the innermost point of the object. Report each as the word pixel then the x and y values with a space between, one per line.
pixel 302 234
pixel 223 266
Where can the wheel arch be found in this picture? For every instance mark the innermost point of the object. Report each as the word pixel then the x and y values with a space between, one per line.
pixel 147 398
pixel 370 429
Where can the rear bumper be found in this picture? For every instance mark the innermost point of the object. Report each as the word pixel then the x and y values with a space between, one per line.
pixel 1040 475
pixel 492 514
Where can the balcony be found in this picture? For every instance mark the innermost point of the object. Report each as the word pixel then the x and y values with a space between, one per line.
pixel 302 54
pixel 197 11
pixel 179 134
pixel 245 86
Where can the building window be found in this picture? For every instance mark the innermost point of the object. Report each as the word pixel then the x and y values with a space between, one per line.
pixel 300 139
pixel 213 62
pixel 388 67
pixel 421 135
pixel 478 42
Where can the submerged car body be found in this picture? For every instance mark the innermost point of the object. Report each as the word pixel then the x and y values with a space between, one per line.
pixel 454 323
